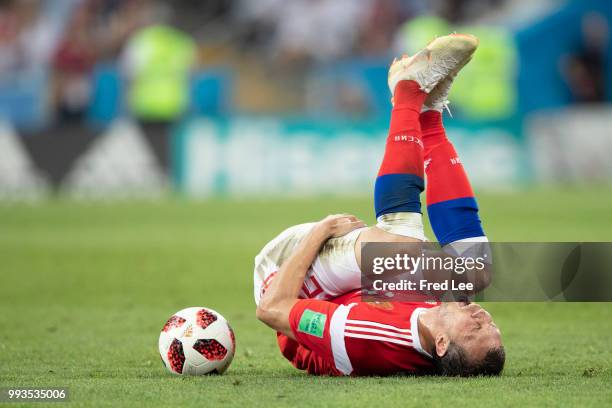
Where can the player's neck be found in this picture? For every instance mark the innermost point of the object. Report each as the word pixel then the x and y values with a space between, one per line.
pixel 426 323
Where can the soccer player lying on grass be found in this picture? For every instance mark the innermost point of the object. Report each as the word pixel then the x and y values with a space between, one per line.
pixel 307 279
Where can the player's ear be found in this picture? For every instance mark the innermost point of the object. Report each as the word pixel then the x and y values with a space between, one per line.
pixel 442 342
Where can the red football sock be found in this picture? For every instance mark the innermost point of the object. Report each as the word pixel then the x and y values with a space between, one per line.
pixel 451 206
pixel 432 129
pixel 407 103
pixel 446 177
pixel 400 156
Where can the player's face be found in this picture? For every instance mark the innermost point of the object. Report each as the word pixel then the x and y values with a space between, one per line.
pixel 471 327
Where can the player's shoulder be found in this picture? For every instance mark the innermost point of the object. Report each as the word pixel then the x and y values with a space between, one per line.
pixel 383 310
pixel 396 306
pixel 397 314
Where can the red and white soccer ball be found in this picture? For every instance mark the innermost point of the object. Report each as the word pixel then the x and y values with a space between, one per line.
pixel 197 341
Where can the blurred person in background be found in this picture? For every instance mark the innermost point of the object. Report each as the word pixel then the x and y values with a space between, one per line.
pixel 584 70
pixel 157 63
pixel 15 21
pixel 74 61
pixel 29 33
pixel 380 23
pixel 318 29
pixel 29 30
pixel 95 31
pixel 257 22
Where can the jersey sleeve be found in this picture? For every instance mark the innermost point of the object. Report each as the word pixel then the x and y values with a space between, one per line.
pixel 319 326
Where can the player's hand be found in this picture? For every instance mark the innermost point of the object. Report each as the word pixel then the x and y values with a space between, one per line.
pixel 337 225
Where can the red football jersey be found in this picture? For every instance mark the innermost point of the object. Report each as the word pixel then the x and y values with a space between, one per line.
pixel 349 337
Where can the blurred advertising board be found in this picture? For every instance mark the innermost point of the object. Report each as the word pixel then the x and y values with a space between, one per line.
pixel 259 156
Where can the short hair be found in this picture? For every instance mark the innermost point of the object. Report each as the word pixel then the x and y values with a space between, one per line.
pixel 455 362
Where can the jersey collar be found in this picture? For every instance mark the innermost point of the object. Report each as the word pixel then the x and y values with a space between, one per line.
pixel 414 328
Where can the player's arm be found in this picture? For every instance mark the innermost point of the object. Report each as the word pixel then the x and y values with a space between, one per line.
pixel 281 296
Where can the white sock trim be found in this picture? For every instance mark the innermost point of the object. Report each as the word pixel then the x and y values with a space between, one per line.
pixel 462 248
pixel 406 224
pixel 473 239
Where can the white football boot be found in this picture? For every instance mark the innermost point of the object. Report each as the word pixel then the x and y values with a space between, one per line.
pixel 430 66
pixel 438 97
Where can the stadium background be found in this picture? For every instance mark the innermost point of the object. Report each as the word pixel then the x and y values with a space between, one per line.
pixel 149 149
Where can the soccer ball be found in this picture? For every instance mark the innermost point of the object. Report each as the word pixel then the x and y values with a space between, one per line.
pixel 197 341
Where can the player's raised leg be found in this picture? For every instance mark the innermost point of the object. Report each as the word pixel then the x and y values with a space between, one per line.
pixel 400 178
pixel 451 205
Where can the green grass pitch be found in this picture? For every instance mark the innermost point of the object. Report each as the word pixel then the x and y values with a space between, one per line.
pixel 85 289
